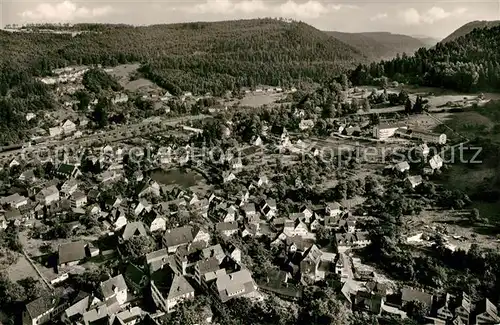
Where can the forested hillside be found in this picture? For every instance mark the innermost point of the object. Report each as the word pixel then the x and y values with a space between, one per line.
pixel 197 57
pixel 471 63
pixel 469 27
pixel 380 45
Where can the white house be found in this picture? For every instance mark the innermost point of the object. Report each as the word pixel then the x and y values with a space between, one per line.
pixel 333 209
pixel 68 127
pixel 30 116
pixel 306 124
pixel 257 141
pixel 263 181
pixel 55 131
pixel 78 200
pixel 13 163
pixel 167 292
pixel 237 284
pixel 69 187
pixel 414 181
pixel 384 131
pixel 436 162
pixel 48 195
pixel 228 176
pixel 269 209
pixel 159 223
pixel 115 288
pixel 402 167
pixel 3 222
pixel 15 201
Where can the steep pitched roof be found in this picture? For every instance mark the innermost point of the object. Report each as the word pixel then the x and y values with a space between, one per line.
pixel 179 287
pixel 178 236
pixel 48 191
pixel 71 252
pixel 409 294
pixel 209 265
pixel 234 284
pixel 107 287
pixel 41 305
pixel 66 169
pixel 134 229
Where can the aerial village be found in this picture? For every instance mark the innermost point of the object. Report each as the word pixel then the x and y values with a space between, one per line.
pixel 117 235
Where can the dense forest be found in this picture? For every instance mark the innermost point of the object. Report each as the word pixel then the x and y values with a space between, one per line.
pixel 380 46
pixel 469 27
pixel 233 53
pixel 470 63
pixel 20 93
pixel 196 57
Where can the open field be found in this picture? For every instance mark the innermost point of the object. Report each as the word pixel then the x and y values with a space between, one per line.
pixel 123 72
pixel 255 100
pixel 22 270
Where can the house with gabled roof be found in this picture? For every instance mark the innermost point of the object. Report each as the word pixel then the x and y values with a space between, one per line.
pixel 69 187
pixel 113 202
pixel 242 198
pixel 227 228
pixel 249 210
pixel 158 259
pixel 436 162
pixel 174 238
pixel 15 201
pixel 345 241
pixel 169 289
pixel 48 195
pixel 78 200
pixel 462 307
pixel 213 251
pixel 45 308
pixel 68 127
pixel 117 219
pixel 309 265
pixel 132 229
pixel 269 208
pixel 68 171
pixel 409 294
pixel 485 313
pixel 414 181
pixel 229 215
pixel 149 187
pixel 443 307
pixel 402 167
pixel 70 254
pixel 207 270
pixel 28 176
pixel 228 176
pixel 333 209
pixel 235 285
pixel 78 306
pixel 115 288
pixel 155 222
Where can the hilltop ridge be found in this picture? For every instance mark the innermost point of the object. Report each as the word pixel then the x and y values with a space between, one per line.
pixel 469 27
pixel 380 45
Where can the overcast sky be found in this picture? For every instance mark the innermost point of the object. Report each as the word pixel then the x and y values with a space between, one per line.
pixel 430 18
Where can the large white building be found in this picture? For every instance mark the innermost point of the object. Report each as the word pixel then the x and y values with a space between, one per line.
pixel 384 130
pixel 428 137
